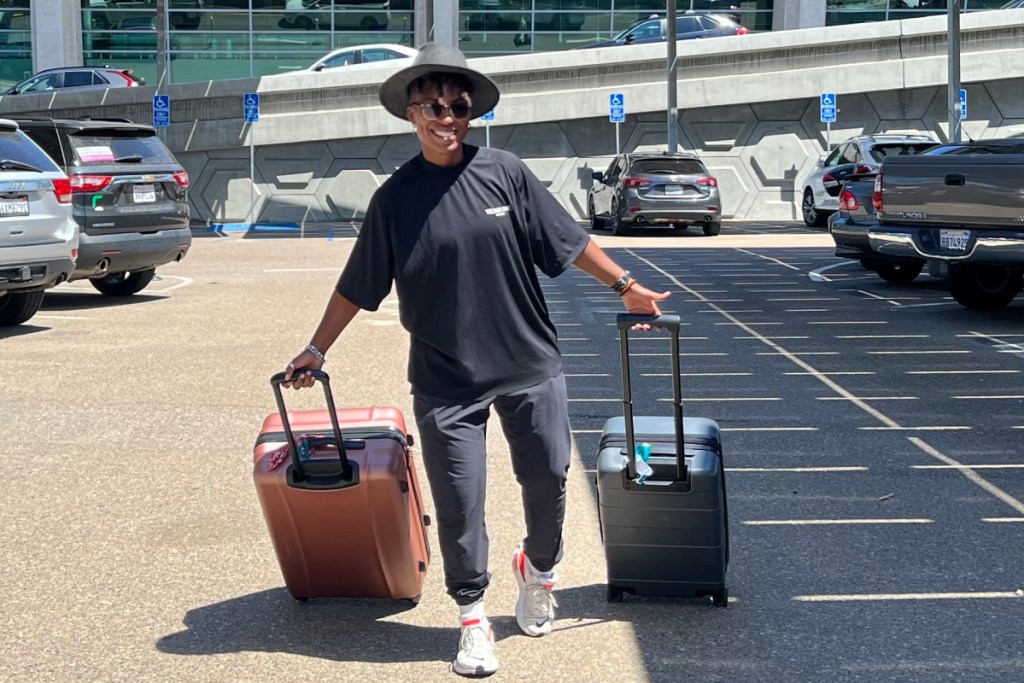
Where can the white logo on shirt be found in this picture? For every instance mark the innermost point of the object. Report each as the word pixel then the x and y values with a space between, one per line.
pixel 497 211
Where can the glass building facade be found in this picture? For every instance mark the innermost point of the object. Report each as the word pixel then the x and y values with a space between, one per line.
pixel 15 42
pixel 218 39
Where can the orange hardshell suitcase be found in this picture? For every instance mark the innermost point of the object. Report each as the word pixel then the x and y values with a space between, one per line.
pixel 348 521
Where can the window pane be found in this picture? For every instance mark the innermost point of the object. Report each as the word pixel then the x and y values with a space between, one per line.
pixel 147 147
pixel 668 167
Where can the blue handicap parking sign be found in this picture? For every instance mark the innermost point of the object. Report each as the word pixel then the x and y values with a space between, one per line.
pixel 161 110
pixel 828 107
pixel 617 107
pixel 616 100
pixel 489 116
pixel 251 104
pixel 963 104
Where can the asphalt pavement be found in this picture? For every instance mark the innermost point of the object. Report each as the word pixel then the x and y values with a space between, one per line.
pixel 873 446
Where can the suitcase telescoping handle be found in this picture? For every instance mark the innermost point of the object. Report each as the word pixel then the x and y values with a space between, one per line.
pixel 671 322
pixel 325 380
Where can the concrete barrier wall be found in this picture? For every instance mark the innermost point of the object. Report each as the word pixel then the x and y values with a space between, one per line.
pixel 748 105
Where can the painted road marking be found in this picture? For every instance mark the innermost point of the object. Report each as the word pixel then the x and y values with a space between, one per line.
pixel 817 275
pixel 1013 397
pixel 862 597
pixel 883 336
pixel 918 353
pixel 1003 520
pixel 800 336
pixel 59 317
pixel 300 270
pixel 849 322
pixel 831 374
pixel 698 399
pixel 830 522
pixel 806 310
pixel 880 298
pixel 962 372
pixel 697 374
pixel 769 429
pixel 931 428
pixel 797 470
pixel 868 398
pixel 973 467
pixel 799 353
pixel 808 298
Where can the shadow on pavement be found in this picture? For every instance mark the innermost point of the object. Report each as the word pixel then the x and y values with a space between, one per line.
pixel 80 301
pixel 334 629
pixel 20 330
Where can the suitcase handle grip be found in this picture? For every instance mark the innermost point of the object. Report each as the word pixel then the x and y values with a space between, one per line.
pixel 625 321
pixel 325 380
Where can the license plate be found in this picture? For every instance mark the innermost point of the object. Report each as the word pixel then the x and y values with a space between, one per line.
pixel 674 189
pixel 14 206
pixel 954 240
pixel 144 194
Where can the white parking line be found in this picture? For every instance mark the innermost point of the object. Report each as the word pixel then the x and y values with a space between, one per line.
pixel 876 296
pixel 830 374
pixel 818 276
pixel 587 374
pixel 740 310
pixel 883 336
pixel 962 372
pixel 798 353
pixel 1010 397
pixel 973 467
pixel 806 298
pixel 864 597
pixel 829 522
pixel 1003 520
pixel 868 398
pixel 806 310
pixel 701 399
pixel 697 374
pixel 797 470
pixel 59 317
pixel 800 336
pixel 918 353
pixel 185 282
pixel 849 322
pixel 595 400
pixel 926 428
pixel 769 429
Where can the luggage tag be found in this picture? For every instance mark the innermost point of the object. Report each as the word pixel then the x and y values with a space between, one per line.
pixel 281 454
pixel 643 469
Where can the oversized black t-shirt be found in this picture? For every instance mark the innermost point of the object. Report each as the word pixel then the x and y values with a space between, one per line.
pixel 462 246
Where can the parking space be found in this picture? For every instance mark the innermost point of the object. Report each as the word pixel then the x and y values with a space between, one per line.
pixel 872 442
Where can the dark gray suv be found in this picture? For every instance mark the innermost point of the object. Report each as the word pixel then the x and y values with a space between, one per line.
pixel 129 198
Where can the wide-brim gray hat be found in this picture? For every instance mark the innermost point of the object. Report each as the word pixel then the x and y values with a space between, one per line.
pixel 438 58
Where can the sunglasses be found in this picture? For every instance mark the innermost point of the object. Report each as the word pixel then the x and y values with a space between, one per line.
pixel 435 111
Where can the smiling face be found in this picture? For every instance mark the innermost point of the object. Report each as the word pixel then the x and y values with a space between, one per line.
pixel 440 135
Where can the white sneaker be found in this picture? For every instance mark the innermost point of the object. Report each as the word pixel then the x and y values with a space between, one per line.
pixel 535 609
pixel 476 656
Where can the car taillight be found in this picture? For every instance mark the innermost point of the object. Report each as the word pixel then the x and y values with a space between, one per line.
pixel 89 183
pixel 708 182
pixel 742 31
pixel 848 201
pixel 182 178
pixel 636 182
pixel 62 190
pixel 863 168
pixel 876 196
pixel 828 177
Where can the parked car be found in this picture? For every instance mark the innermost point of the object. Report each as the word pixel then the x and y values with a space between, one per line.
pixel 689 26
pixel 349 15
pixel 655 189
pixel 129 198
pixel 510 15
pixel 75 78
pixel 397 55
pixel 38 238
pixel 959 208
pixel 863 150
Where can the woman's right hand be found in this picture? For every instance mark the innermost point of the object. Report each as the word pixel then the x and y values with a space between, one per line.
pixel 296 375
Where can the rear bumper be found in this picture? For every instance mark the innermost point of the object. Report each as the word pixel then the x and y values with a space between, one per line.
pixel 984 246
pixel 852 239
pixel 35 274
pixel 116 253
pixel 656 214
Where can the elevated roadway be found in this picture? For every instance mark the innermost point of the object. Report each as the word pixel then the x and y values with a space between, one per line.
pixel 748 105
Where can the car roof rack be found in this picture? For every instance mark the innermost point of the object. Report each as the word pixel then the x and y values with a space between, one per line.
pixel 110 119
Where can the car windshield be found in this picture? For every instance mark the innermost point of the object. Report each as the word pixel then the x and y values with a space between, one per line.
pixel 94 147
pixel 891 149
pixel 16 147
pixel 668 167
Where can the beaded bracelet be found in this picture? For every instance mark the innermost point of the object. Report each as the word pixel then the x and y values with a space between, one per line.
pixel 627 287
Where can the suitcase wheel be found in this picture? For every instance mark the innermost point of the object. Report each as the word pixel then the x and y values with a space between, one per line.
pixel 301 599
pixel 720 598
pixel 417 599
pixel 614 593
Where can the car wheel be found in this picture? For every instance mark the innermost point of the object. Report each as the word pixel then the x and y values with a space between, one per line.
pixel 812 217
pixel 595 222
pixel 898 272
pixel 124 284
pixel 984 287
pixel 712 229
pixel 17 307
pixel 303 23
pixel 368 24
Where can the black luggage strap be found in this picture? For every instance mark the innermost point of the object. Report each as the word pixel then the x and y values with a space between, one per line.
pixel 625 321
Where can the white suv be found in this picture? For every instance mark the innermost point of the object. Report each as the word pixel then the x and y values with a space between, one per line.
pixel 38 237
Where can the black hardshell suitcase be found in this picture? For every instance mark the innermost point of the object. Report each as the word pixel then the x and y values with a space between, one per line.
pixel 669 535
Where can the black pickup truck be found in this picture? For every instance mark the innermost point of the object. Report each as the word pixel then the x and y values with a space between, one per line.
pixel 958 208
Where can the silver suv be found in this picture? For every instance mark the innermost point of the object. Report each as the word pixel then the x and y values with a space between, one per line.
pixel 38 237
pixel 865 153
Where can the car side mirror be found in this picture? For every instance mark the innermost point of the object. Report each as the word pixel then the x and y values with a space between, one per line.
pixel 318 68
pixel 598 176
pixel 821 161
pixel 630 38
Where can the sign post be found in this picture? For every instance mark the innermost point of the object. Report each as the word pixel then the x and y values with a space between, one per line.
pixel 487 118
pixel 828 115
pixel 251 107
pixel 616 114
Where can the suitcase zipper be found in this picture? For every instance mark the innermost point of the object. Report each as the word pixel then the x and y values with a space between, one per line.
pixel 357 434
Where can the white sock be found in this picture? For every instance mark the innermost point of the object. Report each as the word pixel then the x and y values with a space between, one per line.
pixel 543 577
pixel 473 611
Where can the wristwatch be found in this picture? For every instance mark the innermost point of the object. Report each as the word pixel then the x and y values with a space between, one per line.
pixel 620 285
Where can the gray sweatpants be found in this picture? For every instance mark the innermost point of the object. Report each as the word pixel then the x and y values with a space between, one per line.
pixel 453 445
